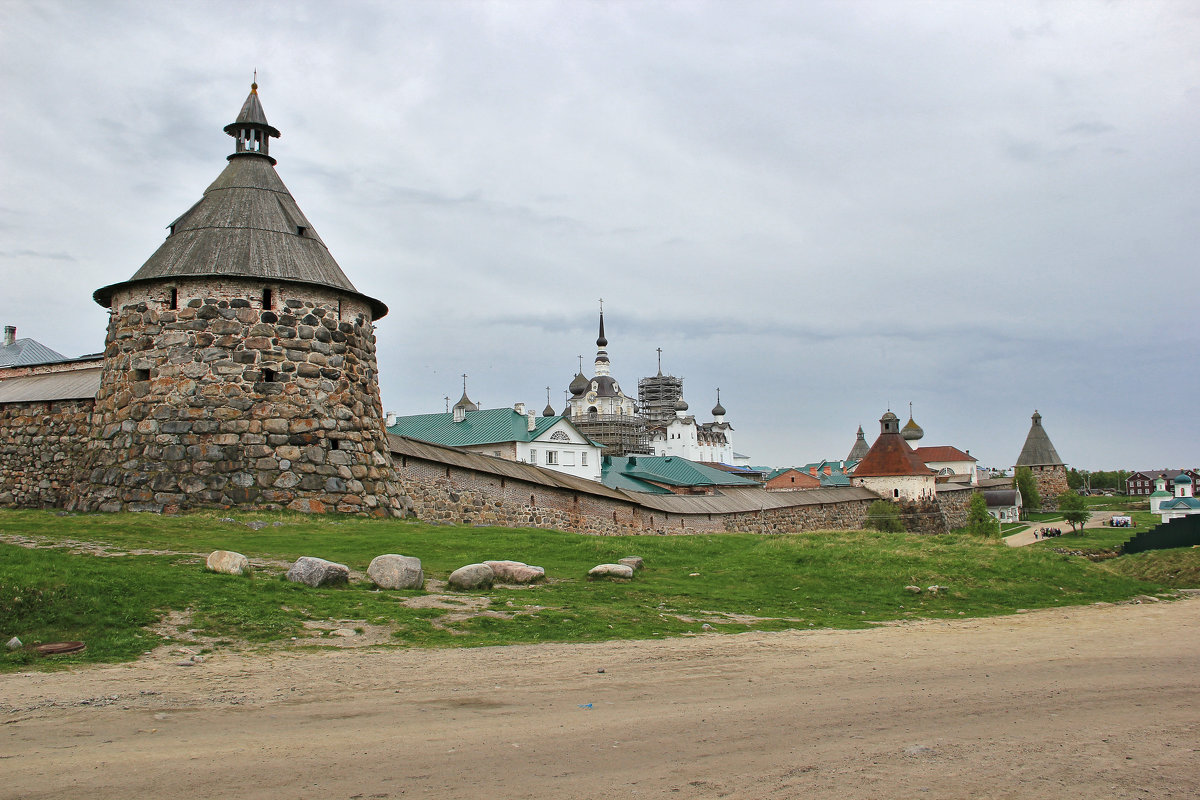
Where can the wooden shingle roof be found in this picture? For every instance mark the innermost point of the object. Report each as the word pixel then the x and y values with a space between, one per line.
pixel 1038 450
pixel 247 225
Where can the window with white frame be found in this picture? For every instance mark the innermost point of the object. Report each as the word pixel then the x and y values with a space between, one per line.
pixel 533 456
pixel 583 459
pixel 551 456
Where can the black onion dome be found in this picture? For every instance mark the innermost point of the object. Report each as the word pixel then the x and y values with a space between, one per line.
pixel 681 405
pixel 579 384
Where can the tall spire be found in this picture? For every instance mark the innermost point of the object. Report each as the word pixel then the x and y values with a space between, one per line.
pixel 602 365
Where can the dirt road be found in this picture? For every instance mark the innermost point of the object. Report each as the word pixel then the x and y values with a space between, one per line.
pixel 1096 702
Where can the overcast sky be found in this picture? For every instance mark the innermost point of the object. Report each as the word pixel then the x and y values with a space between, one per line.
pixel 825 209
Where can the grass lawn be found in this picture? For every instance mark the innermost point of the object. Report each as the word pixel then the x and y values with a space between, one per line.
pixel 103 579
pixel 1095 539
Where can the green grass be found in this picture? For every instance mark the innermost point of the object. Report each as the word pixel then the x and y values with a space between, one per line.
pixel 735 582
pixel 1101 539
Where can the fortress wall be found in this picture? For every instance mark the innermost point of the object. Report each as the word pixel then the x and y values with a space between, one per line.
pixel 442 493
pixel 41 447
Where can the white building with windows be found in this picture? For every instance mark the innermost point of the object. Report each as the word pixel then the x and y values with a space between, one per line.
pixel 513 434
pixel 683 436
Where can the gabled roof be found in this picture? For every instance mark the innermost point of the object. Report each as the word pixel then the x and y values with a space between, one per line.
pixel 942 453
pixel 1038 451
pixel 487 426
pixel 639 473
pixel 247 225
pixel 27 352
pixel 1179 503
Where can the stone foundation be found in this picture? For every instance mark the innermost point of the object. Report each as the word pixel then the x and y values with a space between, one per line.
pixel 222 402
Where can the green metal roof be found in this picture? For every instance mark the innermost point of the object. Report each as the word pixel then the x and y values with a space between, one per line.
pixel 618 473
pixel 487 426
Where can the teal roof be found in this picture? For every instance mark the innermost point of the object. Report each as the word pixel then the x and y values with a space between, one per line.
pixel 1180 502
pixel 1182 478
pixel 487 426
pixel 618 473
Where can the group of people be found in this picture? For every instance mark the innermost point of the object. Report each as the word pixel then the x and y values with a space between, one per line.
pixel 1046 533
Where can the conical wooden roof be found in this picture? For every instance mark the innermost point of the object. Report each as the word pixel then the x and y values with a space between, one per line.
pixel 247 225
pixel 890 455
pixel 1038 450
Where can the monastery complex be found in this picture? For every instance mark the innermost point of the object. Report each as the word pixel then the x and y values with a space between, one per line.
pixel 239 370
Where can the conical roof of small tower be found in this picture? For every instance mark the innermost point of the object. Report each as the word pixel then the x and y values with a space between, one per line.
pixel 890 455
pixel 860 448
pixel 247 225
pixel 1038 450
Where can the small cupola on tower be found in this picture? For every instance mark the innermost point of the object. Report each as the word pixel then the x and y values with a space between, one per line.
pixel 251 130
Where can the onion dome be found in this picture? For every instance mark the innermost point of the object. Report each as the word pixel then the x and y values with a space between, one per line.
pixel 465 403
pixel 548 411
pixel 911 431
pixel 681 405
pixel 718 409
pixel 579 384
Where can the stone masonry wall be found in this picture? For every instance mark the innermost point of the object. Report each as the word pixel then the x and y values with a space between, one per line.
pixel 452 495
pixel 1051 482
pixel 223 402
pixel 41 446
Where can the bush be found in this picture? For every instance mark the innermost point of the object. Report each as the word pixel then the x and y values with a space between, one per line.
pixel 882 515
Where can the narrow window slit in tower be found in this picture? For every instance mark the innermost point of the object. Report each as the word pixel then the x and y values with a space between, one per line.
pixel 267 306
pixel 268 375
pixel 174 304
pixel 141 374
pixel 300 229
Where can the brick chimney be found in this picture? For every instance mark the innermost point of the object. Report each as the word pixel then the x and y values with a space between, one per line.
pixel 10 335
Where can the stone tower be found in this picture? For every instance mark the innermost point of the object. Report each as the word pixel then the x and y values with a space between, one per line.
pixel 239 366
pixel 1049 471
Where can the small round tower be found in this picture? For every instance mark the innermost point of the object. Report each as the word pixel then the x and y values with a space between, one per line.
pixel 239 366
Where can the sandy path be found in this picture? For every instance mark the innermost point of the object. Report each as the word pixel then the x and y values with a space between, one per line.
pixel 1096 702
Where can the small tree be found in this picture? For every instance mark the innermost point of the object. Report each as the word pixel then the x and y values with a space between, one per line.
pixel 1027 484
pixel 882 515
pixel 979 521
pixel 1074 509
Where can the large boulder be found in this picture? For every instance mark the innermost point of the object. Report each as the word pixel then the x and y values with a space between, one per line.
pixel 472 576
pixel 611 571
pixel 391 571
pixel 633 562
pixel 228 562
pixel 316 572
pixel 516 572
